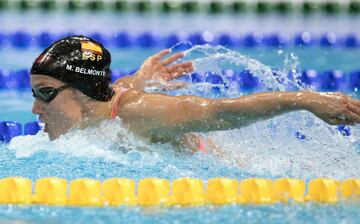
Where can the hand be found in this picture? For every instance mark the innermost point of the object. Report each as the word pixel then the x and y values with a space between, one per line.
pixel 334 108
pixel 157 72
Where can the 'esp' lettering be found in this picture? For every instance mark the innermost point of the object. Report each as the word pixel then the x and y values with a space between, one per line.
pixel 91 56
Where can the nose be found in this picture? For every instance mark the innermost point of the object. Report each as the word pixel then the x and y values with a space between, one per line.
pixel 37 107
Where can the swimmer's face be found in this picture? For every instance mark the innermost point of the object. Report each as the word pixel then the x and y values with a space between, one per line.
pixel 60 114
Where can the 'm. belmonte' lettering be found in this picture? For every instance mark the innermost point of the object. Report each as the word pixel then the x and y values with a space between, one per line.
pixel 90 71
pixel 86 71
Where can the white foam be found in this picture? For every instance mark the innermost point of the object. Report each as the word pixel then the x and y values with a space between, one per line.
pixel 267 148
pixel 109 140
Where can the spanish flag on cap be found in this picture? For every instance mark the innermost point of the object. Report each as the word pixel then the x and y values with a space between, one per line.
pixel 90 46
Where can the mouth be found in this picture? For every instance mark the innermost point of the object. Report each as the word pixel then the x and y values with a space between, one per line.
pixel 44 124
pixel 45 128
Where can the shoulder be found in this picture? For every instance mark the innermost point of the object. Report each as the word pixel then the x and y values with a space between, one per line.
pixel 128 101
pixel 130 96
pixel 135 102
pixel 127 81
pixel 119 85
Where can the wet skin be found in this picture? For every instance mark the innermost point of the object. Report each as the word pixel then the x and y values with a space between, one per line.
pixel 66 110
pixel 60 114
pixel 160 116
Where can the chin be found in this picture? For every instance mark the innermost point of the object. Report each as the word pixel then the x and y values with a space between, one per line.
pixel 53 136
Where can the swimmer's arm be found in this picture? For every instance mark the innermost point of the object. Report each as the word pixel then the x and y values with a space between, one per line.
pixel 163 115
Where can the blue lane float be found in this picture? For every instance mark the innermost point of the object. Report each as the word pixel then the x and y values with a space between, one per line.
pixel 100 38
pixel 32 128
pixel 354 80
pixel 330 40
pixel 247 80
pixel 122 40
pixel 333 80
pixel 22 39
pixel 148 39
pixel 2 39
pixel 175 38
pixel 253 39
pixel 351 41
pixel 12 129
pixel 309 77
pixel 304 39
pixel 19 79
pixel 44 39
pixel 275 40
pixel 227 40
pixel 9 130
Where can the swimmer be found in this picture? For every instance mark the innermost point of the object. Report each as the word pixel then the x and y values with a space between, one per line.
pixel 70 81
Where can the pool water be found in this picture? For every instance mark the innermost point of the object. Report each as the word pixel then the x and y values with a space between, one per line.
pixel 268 149
pixel 308 213
pixel 318 58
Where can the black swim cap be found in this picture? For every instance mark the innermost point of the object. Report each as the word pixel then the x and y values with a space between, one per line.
pixel 79 61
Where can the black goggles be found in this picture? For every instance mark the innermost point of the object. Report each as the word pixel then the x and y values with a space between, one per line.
pixel 47 94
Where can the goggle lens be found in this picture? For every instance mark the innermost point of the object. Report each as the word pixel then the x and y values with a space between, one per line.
pixel 47 94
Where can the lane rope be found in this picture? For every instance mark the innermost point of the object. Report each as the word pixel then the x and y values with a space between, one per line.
pixel 191 6
pixel 126 39
pixel 184 191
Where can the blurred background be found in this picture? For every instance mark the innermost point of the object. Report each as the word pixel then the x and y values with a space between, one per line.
pixel 318 40
pixel 259 42
pixel 133 30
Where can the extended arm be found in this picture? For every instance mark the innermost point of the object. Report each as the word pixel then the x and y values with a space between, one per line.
pixel 166 116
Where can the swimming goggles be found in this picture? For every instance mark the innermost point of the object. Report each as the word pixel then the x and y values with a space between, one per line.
pixel 47 94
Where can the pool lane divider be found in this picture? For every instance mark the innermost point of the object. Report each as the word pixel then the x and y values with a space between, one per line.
pixel 126 39
pixel 180 192
pixel 191 6
pixel 244 80
pixel 12 129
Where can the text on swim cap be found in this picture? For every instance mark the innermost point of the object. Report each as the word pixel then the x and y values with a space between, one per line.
pixel 86 71
pixel 90 56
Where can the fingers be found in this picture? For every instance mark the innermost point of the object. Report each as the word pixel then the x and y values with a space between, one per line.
pixel 173 58
pixel 161 54
pixel 352 116
pixel 354 108
pixel 356 102
pixel 180 72
pixel 183 67
pixel 167 86
pixel 354 112
pixel 174 86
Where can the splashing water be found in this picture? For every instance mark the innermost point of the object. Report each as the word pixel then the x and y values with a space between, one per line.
pixel 271 147
pixel 106 151
pixel 268 148
pixel 218 58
